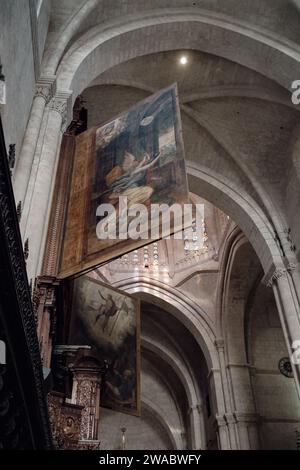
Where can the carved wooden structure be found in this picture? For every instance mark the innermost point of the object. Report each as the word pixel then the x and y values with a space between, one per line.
pixel 75 420
pixel 24 421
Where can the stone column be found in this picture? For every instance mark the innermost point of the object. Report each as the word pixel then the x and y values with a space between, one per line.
pixel 289 312
pixel 218 408
pixel 220 345
pixel 294 270
pixel 222 432
pixel 243 406
pixel 247 424
pixel 35 220
pixel 197 427
pixel 45 88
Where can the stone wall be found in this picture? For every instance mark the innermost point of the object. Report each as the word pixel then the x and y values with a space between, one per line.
pixel 141 433
pixel 18 67
pixel 275 395
pixel 22 35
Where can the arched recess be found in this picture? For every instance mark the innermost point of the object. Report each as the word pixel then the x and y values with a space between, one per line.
pixel 155 411
pixel 264 404
pixel 263 416
pixel 171 343
pixel 196 439
pixel 164 372
pixel 240 270
pixel 275 395
pixel 182 308
pixel 196 322
pixel 167 356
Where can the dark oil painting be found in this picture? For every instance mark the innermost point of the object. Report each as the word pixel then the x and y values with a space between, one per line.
pixel 108 320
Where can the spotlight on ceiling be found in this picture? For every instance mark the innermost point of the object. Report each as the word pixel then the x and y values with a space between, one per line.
pixel 183 60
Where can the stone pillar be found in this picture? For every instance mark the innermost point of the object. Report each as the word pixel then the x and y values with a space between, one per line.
pixel 86 393
pixel 37 209
pixel 197 427
pixel 247 424
pixel 45 88
pixel 222 432
pixel 218 408
pixel 294 270
pixel 243 406
pixel 220 345
pixel 289 312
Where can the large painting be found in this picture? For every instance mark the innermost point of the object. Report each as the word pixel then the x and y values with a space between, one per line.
pixel 109 321
pixel 138 155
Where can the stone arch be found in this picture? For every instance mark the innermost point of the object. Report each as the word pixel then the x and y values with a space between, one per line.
pixel 189 314
pixel 240 271
pixel 196 321
pixel 92 53
pixel 166 356
pixel 155 411
pixel 233 320
pixel 164 361
pixel 241 208
pixel 170 360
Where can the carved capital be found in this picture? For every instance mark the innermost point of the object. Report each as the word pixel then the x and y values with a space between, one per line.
pixel 62 104
pixel 198 407
pixel 230 418
pixel 59 105
pixel 220 344
pixel 221 421
pixel 46 88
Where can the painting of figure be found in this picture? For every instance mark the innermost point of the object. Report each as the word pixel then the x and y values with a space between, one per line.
pixel 108 320
pixel 138 155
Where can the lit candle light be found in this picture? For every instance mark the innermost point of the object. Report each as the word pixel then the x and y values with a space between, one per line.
pixel 123 438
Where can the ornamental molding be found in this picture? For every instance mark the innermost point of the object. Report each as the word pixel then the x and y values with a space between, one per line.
pixel 246 417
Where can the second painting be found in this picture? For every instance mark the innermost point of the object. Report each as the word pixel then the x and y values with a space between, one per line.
pixel 108 320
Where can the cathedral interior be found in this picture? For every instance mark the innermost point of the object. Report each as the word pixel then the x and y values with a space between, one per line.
pixel 219 322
